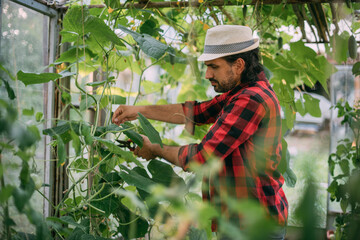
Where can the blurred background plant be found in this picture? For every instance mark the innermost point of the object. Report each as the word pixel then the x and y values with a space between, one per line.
pixel 18 142
pixel 344 167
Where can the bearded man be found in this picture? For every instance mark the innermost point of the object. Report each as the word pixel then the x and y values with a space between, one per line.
pixel 246 131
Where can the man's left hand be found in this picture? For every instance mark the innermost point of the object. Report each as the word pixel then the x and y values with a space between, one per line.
pixel 147 151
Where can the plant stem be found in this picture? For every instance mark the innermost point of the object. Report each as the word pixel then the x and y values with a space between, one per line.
pixel 77 75
pixel 53 206
pixel 6 208
pixel 142 73
pixel 103 91
pixel 78 181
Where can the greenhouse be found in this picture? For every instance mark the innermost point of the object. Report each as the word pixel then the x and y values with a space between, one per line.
pixel 196 119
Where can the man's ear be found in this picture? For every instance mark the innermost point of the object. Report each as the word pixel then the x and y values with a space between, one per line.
pixel 239 65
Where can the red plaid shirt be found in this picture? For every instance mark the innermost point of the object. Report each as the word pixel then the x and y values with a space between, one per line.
pixel 246 136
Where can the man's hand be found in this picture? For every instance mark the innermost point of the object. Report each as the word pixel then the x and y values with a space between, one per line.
pixel 171 113
pixel 152 150
pixel 125 113
pixel 148 149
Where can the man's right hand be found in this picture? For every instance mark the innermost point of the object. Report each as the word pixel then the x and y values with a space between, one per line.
pixel 125 113
pixel 171 113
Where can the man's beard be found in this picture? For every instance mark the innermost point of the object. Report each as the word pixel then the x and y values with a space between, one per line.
pixel 225 87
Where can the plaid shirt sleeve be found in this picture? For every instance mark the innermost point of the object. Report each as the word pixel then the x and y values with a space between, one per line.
pixel 203 113
pixel 238 121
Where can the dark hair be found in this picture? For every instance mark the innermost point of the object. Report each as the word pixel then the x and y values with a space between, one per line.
pixel 252 64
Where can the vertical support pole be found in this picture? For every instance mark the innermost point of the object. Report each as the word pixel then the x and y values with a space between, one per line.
pixel 49 114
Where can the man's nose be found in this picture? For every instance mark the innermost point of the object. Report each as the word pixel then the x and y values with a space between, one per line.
pixel 208 74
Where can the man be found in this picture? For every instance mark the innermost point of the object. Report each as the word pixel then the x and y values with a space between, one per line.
pixel 246 134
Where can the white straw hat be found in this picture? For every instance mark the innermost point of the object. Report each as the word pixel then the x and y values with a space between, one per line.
pixel 225 40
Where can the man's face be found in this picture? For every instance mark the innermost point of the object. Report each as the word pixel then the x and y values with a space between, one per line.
pixel 222 75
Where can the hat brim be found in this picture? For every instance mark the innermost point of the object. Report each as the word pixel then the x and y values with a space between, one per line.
pixel 207 56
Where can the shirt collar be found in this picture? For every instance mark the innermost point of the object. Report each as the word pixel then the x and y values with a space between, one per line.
pixel 260 77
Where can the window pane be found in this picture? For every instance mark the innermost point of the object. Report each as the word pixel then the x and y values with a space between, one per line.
pixel 23 46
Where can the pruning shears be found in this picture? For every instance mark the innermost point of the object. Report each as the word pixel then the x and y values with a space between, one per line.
pixel 128 144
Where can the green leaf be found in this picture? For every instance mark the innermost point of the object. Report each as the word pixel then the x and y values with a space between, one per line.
pixel 344 165
pixel 355 26
pixel 176 71
pixel 333 188
pixel 86 132
pixel 76 143
pixel 69 220
pixel 117 99
pixel 289 116
pixel 149 27
pixel 339 44
pixel 134 136
pixel 268 73
pixel 133 178
pixel 290 178
pixel 39 116
pixel 331 164
pixel 22 196
pixel 151 87
pixel 80 164
pixel 312 105
pixel 10 91
pixel 114 4
pixel 26 137
pixel 65 97
pixel 112 147
pixel 131 226
pixel 37 78
pixel 163 173
pixel 104 100
pixel 101 31
pixel 24 177
pixel 325 70
pixel 61 128
pixel 301 52
pixel 285 157
pixel 5 193
pixel 284 166
pixel 112 178
pixel 149 130
pixel 110 128
pixel 300 108
pixel 61 150
pixel 148 44
pixel 34 131
pixel 356 69
pixel 28 112
pixel 86 102
pixel 72 55
pixel 74 20
pixel 344 204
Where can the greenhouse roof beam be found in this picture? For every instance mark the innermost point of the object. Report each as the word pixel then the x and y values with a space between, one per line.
pixel 149 4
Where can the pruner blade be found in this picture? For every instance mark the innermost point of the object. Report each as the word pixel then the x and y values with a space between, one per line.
pixel 128 144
